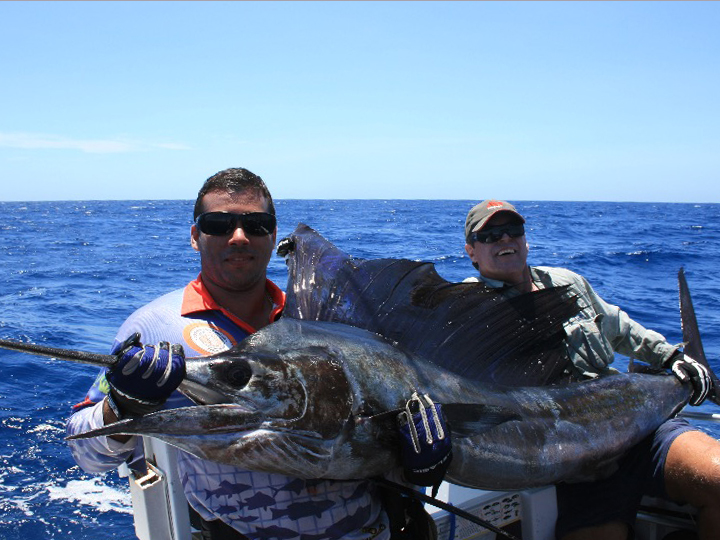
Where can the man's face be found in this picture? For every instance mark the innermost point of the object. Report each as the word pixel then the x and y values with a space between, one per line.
pixel 504 260
pixel 234 262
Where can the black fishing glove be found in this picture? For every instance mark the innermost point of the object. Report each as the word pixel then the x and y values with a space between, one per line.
pixel 688 370
pixel 426 449
pixel 144 376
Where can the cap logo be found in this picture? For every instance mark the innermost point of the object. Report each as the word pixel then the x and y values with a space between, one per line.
pixel 494 204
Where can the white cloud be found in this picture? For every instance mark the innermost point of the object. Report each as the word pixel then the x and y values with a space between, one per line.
pixel 38 141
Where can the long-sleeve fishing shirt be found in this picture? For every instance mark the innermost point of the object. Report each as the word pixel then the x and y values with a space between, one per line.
pixel 256 504
pixel 600 329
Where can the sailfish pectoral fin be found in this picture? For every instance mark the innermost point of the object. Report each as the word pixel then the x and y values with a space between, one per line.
pixel 463 419
pixel 467 419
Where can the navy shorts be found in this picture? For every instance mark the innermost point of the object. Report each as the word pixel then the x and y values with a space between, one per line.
pixel 617 498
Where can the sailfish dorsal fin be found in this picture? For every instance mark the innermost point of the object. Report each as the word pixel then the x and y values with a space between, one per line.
pixel 467 328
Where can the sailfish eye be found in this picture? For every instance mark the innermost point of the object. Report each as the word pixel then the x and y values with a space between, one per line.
pixel 238 373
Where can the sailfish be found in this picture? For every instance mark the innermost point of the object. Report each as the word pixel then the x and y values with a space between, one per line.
pixel 316 394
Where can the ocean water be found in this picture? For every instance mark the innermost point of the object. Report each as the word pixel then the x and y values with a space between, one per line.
pixel 70 272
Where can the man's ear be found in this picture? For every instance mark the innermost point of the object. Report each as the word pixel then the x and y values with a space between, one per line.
pixel 470 251
pixel 194 238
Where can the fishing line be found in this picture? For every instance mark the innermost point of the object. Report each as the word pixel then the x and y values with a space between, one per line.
pixel 442 505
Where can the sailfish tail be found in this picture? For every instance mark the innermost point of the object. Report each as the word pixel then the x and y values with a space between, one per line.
pixel 691 334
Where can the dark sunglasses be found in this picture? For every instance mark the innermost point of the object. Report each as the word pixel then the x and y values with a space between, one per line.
pixel 222 223
pixel 490 235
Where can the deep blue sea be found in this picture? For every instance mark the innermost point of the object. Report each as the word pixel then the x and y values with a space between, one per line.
pixel 70 272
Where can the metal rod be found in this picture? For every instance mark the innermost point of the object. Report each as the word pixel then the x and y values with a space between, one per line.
pixel 710 417
pixel 64 354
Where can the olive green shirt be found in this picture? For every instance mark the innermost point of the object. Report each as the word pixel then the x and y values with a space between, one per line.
pixel 600 329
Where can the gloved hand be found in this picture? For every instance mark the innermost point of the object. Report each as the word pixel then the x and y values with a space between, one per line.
pixel 687 369
pixel 144 376
pixel 426 449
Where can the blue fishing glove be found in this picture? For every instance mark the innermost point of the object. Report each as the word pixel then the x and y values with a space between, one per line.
pixel 144 376
pixel 686 369
pixel 426 449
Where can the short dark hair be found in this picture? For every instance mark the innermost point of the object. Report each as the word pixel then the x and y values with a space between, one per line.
pixel 233 181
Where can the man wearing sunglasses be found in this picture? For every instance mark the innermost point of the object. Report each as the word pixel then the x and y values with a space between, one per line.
pixel 677 462
pixel 234 231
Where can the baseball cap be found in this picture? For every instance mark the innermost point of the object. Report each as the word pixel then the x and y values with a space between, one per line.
pixel 479 215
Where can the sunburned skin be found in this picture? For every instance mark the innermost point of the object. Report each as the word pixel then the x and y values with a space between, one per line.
pixel 504 260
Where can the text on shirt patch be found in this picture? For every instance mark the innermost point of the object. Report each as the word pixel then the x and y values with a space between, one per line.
pixel 207 338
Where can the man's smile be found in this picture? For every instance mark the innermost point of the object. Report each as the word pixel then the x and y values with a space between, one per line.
pixel 239 256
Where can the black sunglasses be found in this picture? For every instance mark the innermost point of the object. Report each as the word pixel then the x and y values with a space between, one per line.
pixel 490 235
pixel 223 223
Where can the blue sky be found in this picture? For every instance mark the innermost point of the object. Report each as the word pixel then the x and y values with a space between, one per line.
pixel 611 101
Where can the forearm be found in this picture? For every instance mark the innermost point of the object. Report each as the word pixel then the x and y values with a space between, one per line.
pixel 625 335
pixel 636 341
pixel 98 454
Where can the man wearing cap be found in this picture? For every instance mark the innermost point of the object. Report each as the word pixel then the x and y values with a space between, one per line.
pixel 677 462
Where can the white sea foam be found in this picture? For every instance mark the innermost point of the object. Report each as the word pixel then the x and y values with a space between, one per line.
pixel 41 428
pixel 23 504
pixel 93 493
pixel 9 498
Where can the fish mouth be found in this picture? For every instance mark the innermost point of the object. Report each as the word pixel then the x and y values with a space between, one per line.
pixel 203 395
pixel 205 420
pixel 280 411
pixel 261 385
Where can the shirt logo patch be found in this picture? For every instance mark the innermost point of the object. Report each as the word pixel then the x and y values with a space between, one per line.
pixel 207 338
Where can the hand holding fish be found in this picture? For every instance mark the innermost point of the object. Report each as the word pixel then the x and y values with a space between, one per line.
pixel 144 376
pixel 426 447
pixel 686 369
